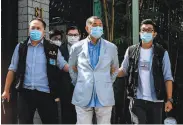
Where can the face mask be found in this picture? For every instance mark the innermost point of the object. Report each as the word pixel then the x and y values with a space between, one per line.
pixel 56 42
pixel 72 39
pixel 96 32
pixel 146 37
pixel 35 35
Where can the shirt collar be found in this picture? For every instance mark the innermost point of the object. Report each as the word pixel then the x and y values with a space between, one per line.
pixel 89 41
pixel 29 42
pixel 69 47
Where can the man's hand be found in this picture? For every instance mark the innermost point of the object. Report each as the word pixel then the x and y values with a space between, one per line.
pixel 75 68
pixel 168 106
pixel 57 100
pixel 113 69
pixel 121 73
pixel 6 95
pixel 169 89
pixel 66 68
pixel 9 80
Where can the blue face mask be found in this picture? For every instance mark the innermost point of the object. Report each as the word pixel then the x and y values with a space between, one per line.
pixel 146 37
pixel 35 35
pixel 96 32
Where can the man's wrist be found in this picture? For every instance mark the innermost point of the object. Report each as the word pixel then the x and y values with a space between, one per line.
pixel 170 100
pixel 7 90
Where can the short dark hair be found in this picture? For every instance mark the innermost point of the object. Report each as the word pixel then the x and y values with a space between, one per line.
pixel 55 32
pixel 41 20
pixel 72 28
pixel 149 21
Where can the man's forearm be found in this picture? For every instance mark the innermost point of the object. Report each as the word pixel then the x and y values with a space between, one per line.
pixel 73 74
pixel 114 75
pixel 9 80
pixel 74 78
pixel 169 89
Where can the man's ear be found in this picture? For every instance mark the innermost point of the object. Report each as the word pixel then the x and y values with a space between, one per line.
pixel 79 36
pixel 86 28
pixel 28 32
pixel 155 34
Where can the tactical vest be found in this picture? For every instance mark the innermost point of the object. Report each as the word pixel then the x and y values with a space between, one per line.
pixel 134 54
pixel 51 52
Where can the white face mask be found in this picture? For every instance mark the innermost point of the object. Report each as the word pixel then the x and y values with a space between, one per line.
pixel 56 42
pixel 72 39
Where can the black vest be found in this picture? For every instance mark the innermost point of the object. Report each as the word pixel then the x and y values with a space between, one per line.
pixel 64 50
pixel 51 52
pixel 134 54
pixel 66 83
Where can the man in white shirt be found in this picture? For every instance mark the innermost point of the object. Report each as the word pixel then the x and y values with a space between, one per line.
pixel 148 68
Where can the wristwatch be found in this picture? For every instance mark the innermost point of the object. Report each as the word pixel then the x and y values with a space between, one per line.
pixel 170 100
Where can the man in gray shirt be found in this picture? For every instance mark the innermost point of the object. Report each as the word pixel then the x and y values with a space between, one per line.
pixel 148 68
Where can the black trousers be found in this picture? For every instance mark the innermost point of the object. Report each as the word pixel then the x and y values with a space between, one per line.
pixel 68 113
pixel 68 109
pixel 146 112
pixel 30 100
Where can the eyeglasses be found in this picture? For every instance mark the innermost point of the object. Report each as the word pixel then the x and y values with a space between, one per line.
pixel 55 38
pixel 147 30
pixel 75 35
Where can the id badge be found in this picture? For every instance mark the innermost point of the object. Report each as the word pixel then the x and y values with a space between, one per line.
pixel 52 61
